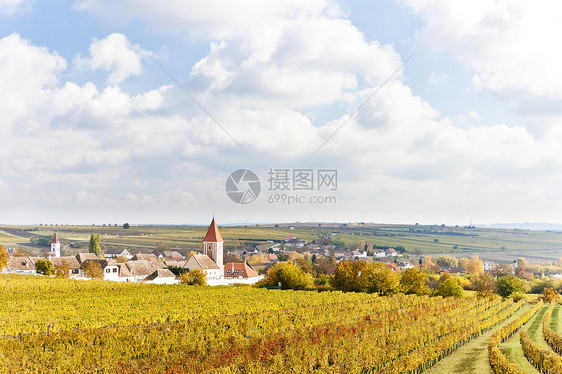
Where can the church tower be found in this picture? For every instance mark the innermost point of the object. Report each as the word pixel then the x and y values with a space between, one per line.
pixel 55 246
pixel 213 245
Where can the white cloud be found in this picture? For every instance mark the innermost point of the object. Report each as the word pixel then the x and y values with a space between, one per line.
pixel 114 54
pixel 156 155
pixel 509 45
pixel 437 79
pixel 11 7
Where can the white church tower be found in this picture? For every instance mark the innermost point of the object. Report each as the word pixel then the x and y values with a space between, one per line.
pixel 55 246
pixel 213 245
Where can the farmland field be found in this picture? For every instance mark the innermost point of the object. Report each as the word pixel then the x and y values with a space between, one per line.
pixel 495 244
pixel 63 326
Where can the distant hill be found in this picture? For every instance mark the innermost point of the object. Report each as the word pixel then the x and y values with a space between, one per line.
pixel 535 226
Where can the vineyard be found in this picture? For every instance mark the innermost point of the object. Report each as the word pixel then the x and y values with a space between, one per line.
pixel 61 326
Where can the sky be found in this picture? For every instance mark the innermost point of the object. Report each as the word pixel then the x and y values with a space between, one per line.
pixel 406 111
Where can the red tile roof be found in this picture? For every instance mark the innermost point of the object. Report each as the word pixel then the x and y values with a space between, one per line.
pixel 239 269
pixel 213 234
pixel 55 239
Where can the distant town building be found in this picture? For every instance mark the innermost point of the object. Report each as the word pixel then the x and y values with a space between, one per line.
pixel 55 246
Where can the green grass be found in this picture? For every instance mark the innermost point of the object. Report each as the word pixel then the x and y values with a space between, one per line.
pixel 472 358
pixel 512 348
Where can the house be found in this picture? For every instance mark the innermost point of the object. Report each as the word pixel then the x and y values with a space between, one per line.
pixel 70 262
pixel 359 254
pixel 110 270
pixel 294 242
pixel 149 257
pixel 391 252
pixel 116 252
pixel 487 265
pixel 82 257
pixel 403 265
pixel 172 255
pixel 162 276
pixel 391 266
pixel 140 269
pixel 379 253
pixel 272 257
pixel 177 264
pixel 125 274
pixel 20 265
pixel 204 263
pixel 239 270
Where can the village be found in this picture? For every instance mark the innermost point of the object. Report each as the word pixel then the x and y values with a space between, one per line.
pixel 220 266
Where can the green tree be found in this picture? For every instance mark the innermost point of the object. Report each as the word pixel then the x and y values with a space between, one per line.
pixel 44 267
pixel 377 277
pixel 4 257
pixel 126 226
pixel 347 276
pixel 449 287
pixel 95 244
pixel 412 281
pixel 447 262
pixel 195 277
pixel 509 284
pixel 289 275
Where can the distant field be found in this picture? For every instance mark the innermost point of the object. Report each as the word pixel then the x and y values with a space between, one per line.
pixel 495 244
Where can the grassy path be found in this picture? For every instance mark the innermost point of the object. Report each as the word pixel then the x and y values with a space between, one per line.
pixel 555 319
pixel 512 348
pixel 473 356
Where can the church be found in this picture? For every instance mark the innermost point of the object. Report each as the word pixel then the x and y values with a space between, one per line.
pixel 212 263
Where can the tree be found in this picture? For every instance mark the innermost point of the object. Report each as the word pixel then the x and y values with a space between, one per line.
pixel 484 284
pixel 177 270
pixel 20 252
pixel 412 281
pixel 121 259
pixel 462 263
pixel 449 287
pixel 347 276
pixel 4 257
pixel 195 277
pixel 474 266
pixel 44 267
pixel 95 244
pixel 549 295
pixel 502 269
pixel 377 277
pixel 428 264
pixel 289 275
pixel 509 284
pixel 62 269
pixel 92 269
pixel 126 226
pixel 161 248
pixel 447 262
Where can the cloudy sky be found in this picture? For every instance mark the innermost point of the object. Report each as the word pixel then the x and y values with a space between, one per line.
pixel 430 111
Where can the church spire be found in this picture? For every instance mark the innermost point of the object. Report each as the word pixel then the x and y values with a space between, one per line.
pixel 213 234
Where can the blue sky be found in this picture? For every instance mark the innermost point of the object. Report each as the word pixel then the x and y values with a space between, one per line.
pixel 95 131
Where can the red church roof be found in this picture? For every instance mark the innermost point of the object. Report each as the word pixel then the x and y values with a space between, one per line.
pixel 213 234
pixel 55 239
